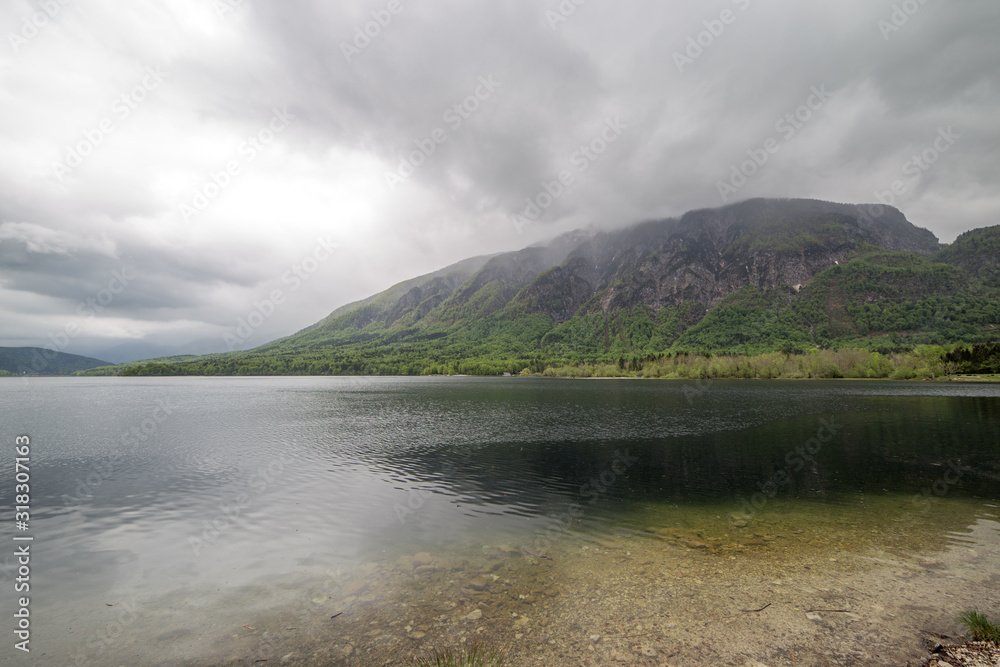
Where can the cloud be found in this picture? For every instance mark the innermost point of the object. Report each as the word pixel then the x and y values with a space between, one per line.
pixel 44 240
pixel 367 85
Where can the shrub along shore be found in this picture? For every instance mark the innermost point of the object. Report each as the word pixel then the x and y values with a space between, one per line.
pixel 926 362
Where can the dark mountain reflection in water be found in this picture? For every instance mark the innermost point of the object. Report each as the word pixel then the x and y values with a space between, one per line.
pixel 179 492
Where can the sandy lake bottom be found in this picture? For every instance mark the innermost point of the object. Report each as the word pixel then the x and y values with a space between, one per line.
pixel 798 584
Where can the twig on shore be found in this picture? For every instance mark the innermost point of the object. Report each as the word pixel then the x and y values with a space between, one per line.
pixel 751 611
pixel 829 611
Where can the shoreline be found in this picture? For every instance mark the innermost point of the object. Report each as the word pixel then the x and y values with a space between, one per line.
pixel 992 379
pixel 967 379
pixel 647 601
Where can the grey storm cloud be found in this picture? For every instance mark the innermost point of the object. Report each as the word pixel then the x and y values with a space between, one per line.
pixel 418 134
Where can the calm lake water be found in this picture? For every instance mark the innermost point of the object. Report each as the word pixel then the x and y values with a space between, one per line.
pixel 225 520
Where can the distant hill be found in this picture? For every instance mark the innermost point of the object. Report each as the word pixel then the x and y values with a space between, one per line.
pixel 140 349
pixel 758 276
pixel 977 252
pixel 39 361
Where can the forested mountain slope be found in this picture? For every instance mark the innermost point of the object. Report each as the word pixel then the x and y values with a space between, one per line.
pixel 757 276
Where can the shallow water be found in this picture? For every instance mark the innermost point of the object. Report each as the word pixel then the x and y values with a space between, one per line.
pixel 198 519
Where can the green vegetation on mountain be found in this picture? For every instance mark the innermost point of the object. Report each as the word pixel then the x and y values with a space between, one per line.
pixel 774 286
pixel 43 361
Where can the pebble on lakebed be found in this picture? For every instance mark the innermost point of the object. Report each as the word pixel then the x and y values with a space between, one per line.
pixel 657 595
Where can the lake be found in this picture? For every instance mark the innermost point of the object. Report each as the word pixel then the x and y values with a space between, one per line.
pixel 357 521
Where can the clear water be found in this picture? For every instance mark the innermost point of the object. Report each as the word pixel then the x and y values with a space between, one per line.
pixel 217 520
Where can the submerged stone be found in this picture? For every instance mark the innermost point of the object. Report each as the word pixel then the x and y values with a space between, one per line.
pixel 478 584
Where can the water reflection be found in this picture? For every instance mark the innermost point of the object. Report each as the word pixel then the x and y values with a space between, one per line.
pixel 255 480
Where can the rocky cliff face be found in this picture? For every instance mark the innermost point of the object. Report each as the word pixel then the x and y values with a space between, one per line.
pixel 700 257
pixel 708 254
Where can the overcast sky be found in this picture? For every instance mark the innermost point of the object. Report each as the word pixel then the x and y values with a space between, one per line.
pixel 166 168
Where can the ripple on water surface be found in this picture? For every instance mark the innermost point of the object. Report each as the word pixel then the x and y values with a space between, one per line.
pixel 251 495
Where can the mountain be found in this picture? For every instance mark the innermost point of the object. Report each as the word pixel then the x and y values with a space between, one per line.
pixel 756 276
pixel 138 350
pixel 40 361
pixel 707 255
pixel 976 252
